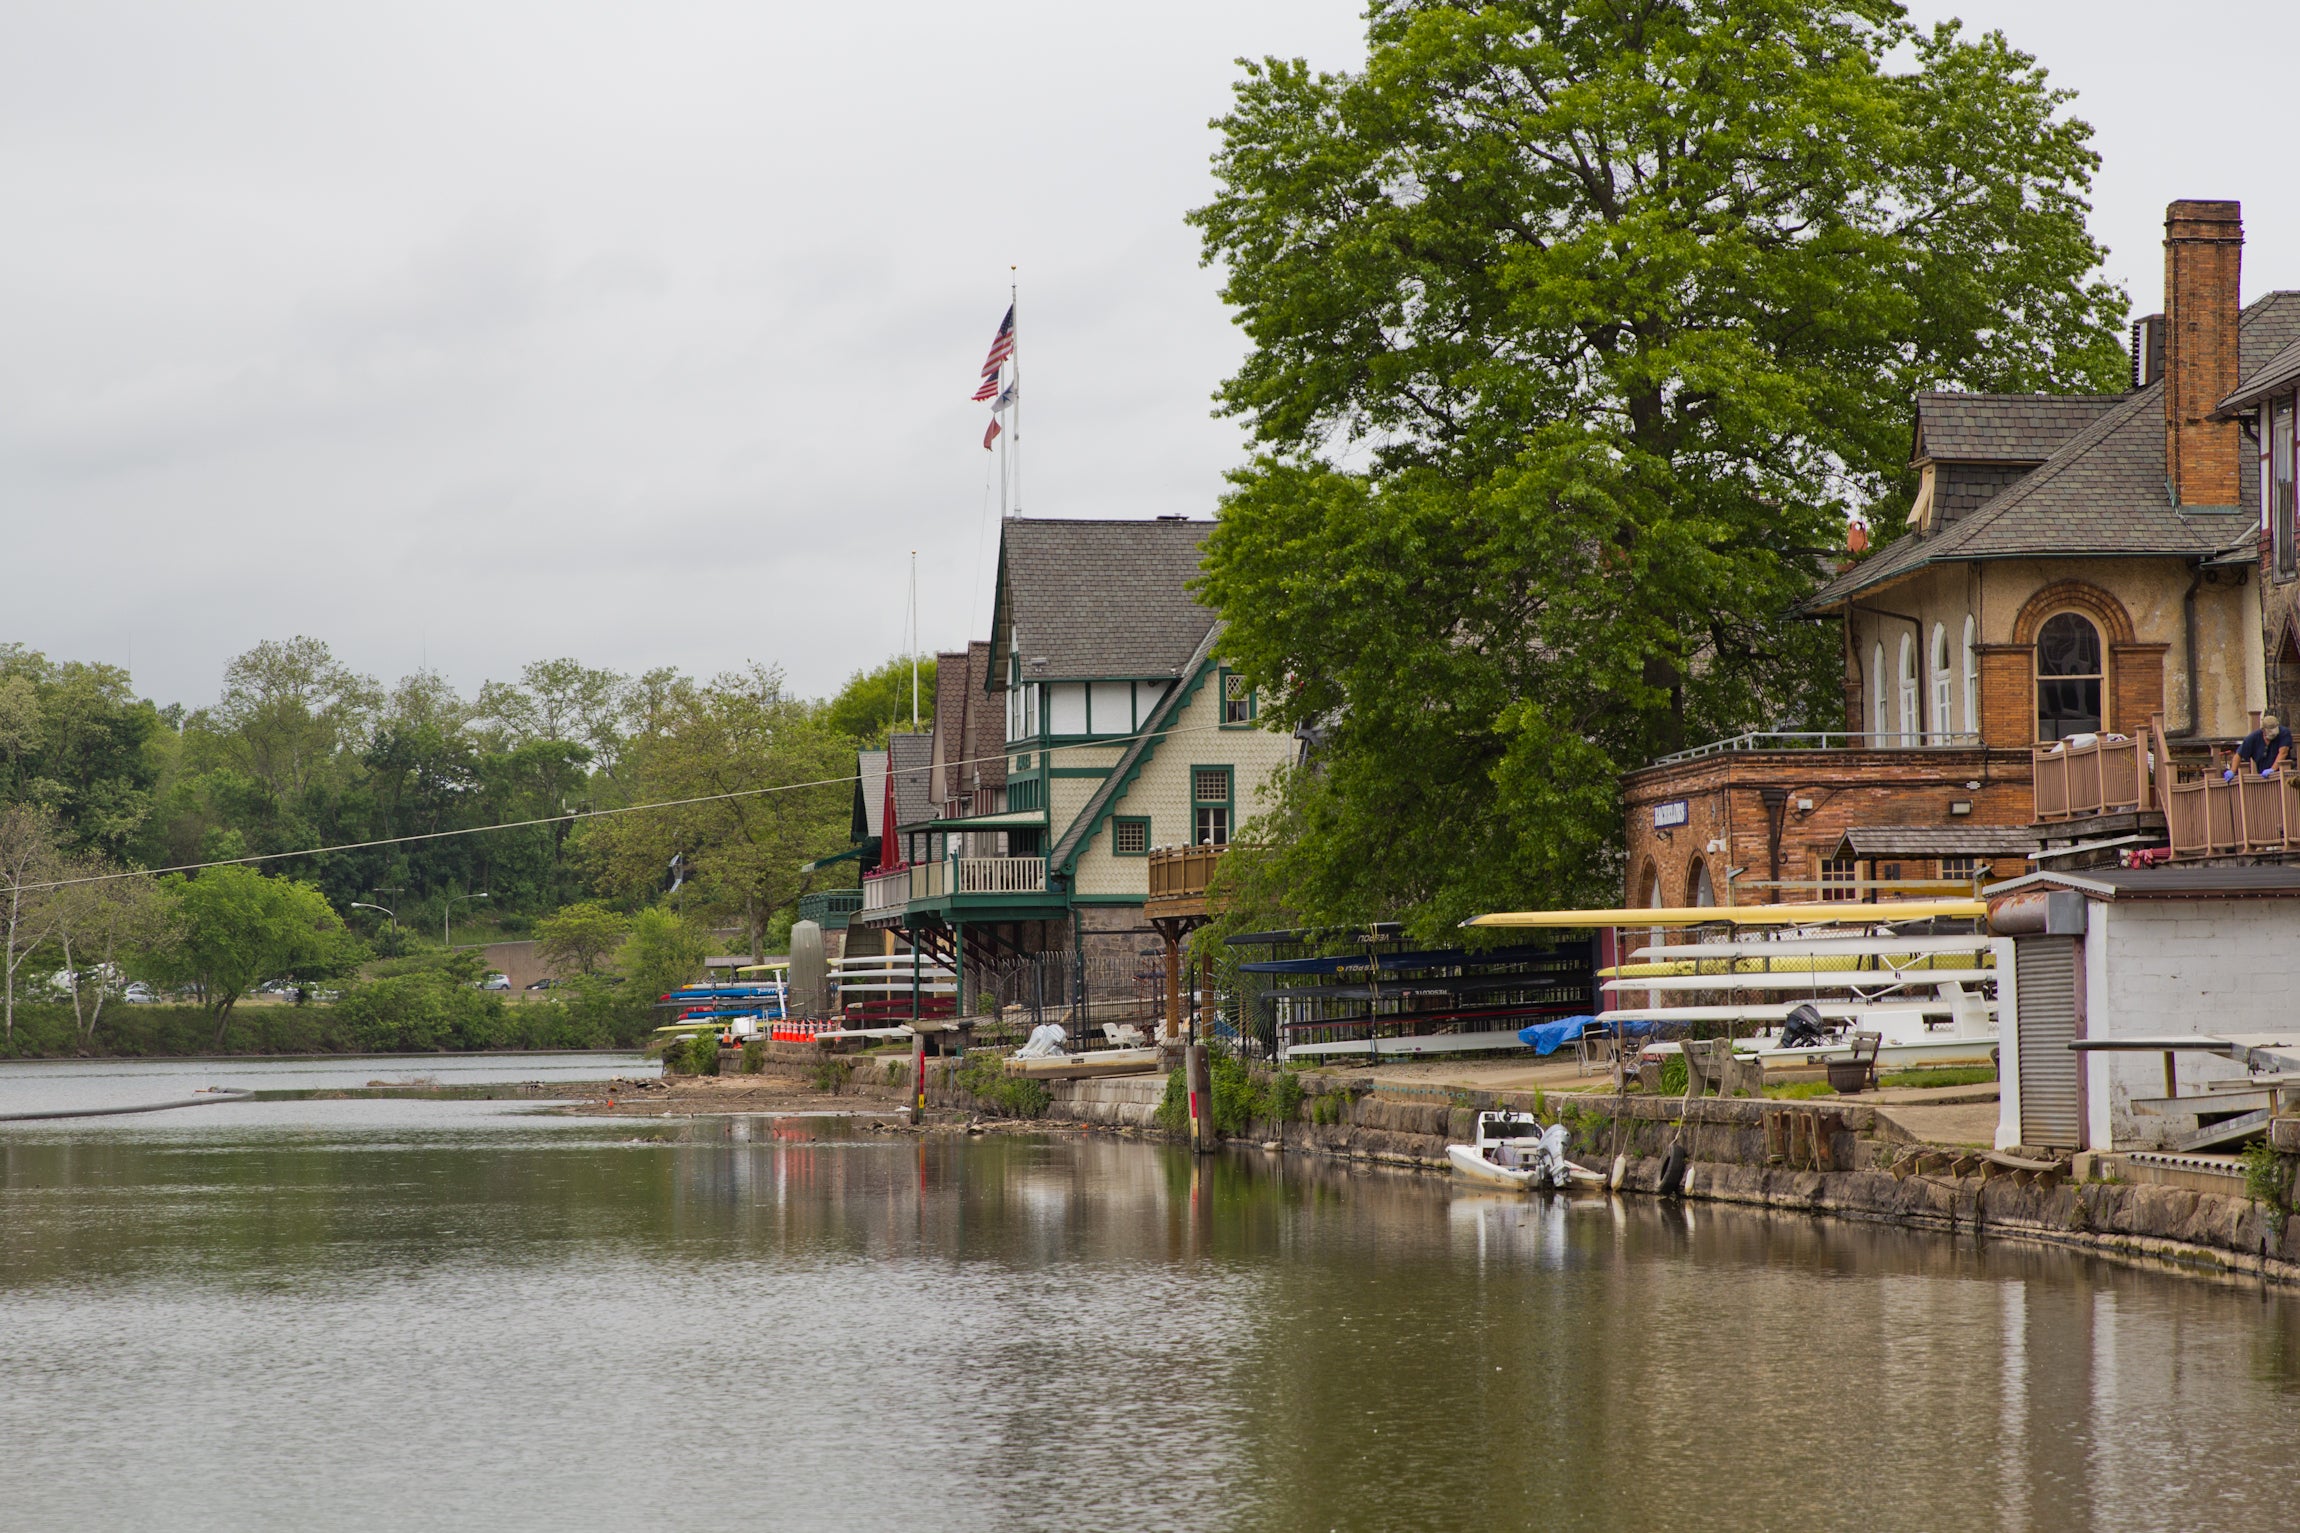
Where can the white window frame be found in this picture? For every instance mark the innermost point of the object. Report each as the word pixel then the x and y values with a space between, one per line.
pixel 1944 685
pixel 1879 709
pixel 1911 710
pixel 1972 658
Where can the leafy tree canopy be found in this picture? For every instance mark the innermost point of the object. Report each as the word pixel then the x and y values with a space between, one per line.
pixel 231 929
pixel 73 740
pixel 578 936
pixel 738 856
pixel 877 700
pixel 1577 330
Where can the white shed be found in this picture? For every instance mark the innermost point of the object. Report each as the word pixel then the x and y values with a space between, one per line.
pixel 2122 958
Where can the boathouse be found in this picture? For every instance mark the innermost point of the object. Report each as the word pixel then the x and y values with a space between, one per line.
pixel 2076 571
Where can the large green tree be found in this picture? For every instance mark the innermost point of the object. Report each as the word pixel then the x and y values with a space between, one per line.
pixel 1577 331
pixel 753 783
pixel 878 700
pixel 230 929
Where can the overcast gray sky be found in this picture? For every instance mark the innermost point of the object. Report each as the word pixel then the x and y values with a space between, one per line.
pixel 482 332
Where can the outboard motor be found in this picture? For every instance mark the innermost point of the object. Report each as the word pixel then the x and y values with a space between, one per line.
pixel 1804 1029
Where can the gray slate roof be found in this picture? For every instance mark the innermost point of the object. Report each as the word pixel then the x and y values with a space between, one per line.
pixel 2178 883
pixel 2101 493
pixel 911 759
pixel 1937 841
pixel 1098 599
pixel 2001 428
pixel 2275 376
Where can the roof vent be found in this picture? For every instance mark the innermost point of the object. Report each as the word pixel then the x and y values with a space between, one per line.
pixel 1181 518
pixel 2147 350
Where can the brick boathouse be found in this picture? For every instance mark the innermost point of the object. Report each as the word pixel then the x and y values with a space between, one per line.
pixel 2072 566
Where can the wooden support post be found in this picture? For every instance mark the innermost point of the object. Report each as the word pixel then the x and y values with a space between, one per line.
pixel 918 1077
pixel 2171 1079
pixel 1173 983
pixel 1198 1079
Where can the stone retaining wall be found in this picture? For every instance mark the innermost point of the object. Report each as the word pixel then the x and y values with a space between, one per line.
pixel 1731 1158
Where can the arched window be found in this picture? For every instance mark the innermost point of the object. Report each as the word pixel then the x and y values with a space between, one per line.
pixel 1701 891
pixel 1880 709
pixel 1943 685
pixel 1910 725
pixel 1972 680
pixel 2068 677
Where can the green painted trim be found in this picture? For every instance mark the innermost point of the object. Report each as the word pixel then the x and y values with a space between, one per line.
pixel 1142 820
pixel 1135 900
pixel 1176 702
pixel 1080 771
pixel 1229 798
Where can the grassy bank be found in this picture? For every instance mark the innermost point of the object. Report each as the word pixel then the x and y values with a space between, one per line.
pixel 358 1025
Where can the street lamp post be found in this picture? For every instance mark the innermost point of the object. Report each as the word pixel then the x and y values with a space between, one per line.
pixel 387 910
pixel 448 914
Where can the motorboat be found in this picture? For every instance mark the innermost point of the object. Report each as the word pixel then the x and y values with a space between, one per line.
pixel 1513 1149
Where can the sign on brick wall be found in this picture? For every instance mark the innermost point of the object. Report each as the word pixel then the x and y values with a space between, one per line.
pixel 1670 814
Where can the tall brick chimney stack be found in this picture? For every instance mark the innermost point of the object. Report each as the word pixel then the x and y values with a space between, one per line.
pixel 2203 256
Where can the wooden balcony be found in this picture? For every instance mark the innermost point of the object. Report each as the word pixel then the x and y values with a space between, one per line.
pixel 2108 774
pixel 2251 816
pixel 886 893
pixel 1179 876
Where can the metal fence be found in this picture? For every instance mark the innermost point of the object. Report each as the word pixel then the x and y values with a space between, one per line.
pixel 1101 999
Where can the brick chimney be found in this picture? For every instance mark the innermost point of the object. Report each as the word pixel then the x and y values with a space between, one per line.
pixel 2203 254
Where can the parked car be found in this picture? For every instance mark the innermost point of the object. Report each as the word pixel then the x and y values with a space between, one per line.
pixel 138 994
pixel 496 980
pixel 547 984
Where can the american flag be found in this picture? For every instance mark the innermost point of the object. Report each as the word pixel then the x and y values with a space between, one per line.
pixel 1001 348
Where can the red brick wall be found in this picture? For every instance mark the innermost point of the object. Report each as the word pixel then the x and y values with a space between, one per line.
pixel 1725 803
pixel 2203 259
pixel 2136 680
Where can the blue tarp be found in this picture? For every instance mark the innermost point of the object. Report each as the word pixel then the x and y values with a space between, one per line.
pixel 1549 1037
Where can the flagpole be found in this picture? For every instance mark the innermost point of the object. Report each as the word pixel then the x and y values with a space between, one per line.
pixel 914 641
pixel 1014 306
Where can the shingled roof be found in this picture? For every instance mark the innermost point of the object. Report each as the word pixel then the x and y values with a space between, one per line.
pixel 2001 428
pixel 1098 599
pixel 2100 494
pixel 911 758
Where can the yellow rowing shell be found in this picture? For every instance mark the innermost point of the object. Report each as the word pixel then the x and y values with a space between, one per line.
pixel 1808 963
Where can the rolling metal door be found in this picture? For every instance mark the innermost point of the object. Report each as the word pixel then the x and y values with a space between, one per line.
pixel 2044 980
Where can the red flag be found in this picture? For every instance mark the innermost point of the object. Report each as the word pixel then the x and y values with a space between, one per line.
pixel 991 435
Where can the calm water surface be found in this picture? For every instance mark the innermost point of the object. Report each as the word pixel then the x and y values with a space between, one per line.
pixel 406 1314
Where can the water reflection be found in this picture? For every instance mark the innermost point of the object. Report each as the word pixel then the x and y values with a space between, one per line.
pixel 798 1322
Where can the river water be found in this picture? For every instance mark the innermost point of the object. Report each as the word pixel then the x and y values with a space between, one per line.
pixel 395 1314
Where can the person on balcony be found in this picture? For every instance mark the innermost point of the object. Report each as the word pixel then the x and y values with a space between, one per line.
pixel 2267 750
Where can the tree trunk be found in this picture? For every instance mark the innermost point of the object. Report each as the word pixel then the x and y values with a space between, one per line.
pixel 223 1020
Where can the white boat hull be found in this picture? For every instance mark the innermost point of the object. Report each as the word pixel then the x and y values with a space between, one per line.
pixel 1476 1167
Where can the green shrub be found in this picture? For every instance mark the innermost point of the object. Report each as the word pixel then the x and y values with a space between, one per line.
pixel 982 1075
pixel 831 1073
pixel 703 1053
pixel 2268 1182
pixel 754 1056
pixel 1174 1107
pixel 423 1010
pixel 1675 1076
pixel 1283 1098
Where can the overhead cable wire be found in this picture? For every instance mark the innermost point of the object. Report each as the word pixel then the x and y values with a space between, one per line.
pixel 1119 742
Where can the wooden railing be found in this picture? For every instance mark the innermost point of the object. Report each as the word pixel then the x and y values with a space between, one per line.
pixel 2215 816
pixel 1182 872
pixel 978 875
pixel 2108 774
pixel 886 891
